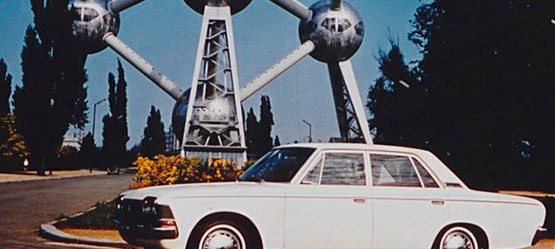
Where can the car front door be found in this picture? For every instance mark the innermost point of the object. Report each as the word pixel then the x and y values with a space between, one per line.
pixel 331 207
pixel 409 206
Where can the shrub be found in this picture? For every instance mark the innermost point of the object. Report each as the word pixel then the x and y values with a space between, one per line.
pixel 167 170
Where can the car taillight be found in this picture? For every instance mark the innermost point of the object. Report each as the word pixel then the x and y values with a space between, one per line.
pixel 167 224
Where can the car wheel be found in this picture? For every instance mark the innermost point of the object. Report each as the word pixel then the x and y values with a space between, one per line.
pixel 222 235
pixel 458 238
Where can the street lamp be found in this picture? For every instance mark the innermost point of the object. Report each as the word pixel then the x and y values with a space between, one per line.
pixel 309 130
pixel 403 83
pixel 94 114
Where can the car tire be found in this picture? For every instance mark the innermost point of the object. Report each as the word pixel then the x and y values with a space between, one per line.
pixel 458 238
pixel 219 234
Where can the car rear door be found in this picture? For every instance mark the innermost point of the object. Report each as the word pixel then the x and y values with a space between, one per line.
pixel 331 207
pixel 408 201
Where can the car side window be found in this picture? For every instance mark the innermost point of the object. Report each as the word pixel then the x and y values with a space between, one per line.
pixel 313 177
pixel 426 177
pixel 343 169
pixel 393 170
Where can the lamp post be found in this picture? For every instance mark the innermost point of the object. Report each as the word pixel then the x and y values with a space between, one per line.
pixel 309 130
pixel 94 114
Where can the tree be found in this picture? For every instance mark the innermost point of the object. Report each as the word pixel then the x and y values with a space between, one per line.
pixel 12 144
pixel 154 137
pixel 121 110
pixel 393 100
pixel 53 88
pixel 252 134
pixel 487 68
pixel 115 131
pixel 276 141
pixel 88 152
pixel 5 88
pixel 259 133
pixel 109 128
pixel 265 125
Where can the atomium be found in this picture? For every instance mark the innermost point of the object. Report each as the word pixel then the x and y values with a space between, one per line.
pixel 92 20
pixel 331 31
pixel 337 34
pixel 235 5
pixel 215 111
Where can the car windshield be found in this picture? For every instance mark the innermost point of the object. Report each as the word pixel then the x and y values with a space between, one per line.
pixel 279 165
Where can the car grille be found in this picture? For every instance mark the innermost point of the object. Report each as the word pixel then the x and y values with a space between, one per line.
pixel 130 212
pixel 145 219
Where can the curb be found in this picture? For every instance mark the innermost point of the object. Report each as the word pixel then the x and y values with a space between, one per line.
pixel 52 233
pixel 97 173
pixel 94 173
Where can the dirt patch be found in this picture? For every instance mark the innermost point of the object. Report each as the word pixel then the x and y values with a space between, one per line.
pixel 545 244
pixel 104 234
pixel 527 193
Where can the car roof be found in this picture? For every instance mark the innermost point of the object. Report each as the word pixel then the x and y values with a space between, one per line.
pixel 356 146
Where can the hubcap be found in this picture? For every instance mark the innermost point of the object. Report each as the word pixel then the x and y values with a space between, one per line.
pixel 221 239
pixel 458 240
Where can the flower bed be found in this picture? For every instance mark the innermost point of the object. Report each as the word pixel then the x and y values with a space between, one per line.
pixel 167 170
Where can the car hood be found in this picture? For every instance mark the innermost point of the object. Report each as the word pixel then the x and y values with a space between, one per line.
pixel 480 196
pixel 228 189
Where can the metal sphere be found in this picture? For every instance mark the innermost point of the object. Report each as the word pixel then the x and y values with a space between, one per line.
pixel 216 111
pixel 235 5
pixel 92 20
pixel 337 34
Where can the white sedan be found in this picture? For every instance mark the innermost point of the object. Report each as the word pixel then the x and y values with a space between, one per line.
pixel 331 196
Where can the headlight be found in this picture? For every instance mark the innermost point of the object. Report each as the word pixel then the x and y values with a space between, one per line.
pixel 119 203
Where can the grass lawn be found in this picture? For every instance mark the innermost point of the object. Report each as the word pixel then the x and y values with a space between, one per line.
pixel 100 216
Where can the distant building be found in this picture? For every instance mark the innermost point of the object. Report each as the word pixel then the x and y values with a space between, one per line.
pixel 73 138
pixel 172 143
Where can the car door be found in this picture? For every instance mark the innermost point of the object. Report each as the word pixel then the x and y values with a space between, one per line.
pixel 408 201
pixel 331 207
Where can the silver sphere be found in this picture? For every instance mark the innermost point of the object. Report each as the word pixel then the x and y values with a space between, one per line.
pixel 336 34
pixel 217 111
pixel 235 5
pixel 92 20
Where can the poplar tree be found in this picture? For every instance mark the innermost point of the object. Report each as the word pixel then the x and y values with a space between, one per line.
pixel 266 123
pixel 154 136
pixel 115 131
pixel 53 94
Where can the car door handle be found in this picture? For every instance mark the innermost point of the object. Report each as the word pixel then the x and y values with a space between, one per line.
pixel 438 202
pixel 359 200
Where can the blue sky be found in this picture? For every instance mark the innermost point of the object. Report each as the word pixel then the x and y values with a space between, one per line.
pixel 166 33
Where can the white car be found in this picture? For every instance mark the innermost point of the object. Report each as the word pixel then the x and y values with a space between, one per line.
pixel 331 196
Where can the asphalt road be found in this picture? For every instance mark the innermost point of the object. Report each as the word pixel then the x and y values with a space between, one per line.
pixel 26 205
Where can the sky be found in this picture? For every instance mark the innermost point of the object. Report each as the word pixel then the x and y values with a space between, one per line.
pixel 166 33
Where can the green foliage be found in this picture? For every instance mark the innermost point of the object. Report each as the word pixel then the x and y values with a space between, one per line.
pixel 53 89
pixel 100 216
pixel 5 88
pixel 67 158
pixel 89 152
pixel 277 142
pixel 252 133
pixel 115 131
pixel 154 138
pixel 266 122
pixel 259 133
pixel 481 98
pixel 12 144
pixel 394 99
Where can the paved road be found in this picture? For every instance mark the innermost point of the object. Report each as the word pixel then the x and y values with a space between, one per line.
pixel 26 205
